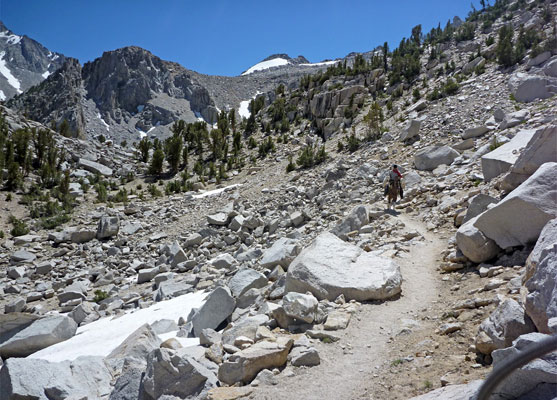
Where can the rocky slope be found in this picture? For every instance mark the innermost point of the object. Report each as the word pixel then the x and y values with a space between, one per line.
pixel 314 288
pixel 23 63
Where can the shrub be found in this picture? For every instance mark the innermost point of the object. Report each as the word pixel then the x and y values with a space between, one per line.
pixel 353 143
pixel 120 197
pixel 155 168
pixel 19 227
pixel 450 87
pixel 100 295
pixel 310 156
pixel 102 192
pixel 291 166
pixel 153 191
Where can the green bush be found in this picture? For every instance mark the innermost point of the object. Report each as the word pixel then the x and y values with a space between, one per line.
pixel 352 143
pixel 153 191
pixel 450 87
pixel 100 295
pixel 291 166
pixel 19 227
pixel 310 156
pixel 120 197
pixel 102 192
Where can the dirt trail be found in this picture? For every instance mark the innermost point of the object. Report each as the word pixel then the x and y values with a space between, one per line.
pixel 347 366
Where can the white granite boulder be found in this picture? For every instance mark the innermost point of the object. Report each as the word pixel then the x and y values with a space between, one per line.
pixel 330 267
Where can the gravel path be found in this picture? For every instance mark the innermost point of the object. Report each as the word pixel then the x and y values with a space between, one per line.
pixel 346 366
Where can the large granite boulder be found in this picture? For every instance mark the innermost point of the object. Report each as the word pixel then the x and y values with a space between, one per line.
pixel 539 150
pixel 504 325
pixel 453 392
pixel 431 157
pixel 94 167
pixel 282 253
pixel 39 334
pixel 244 365
pixel 245 280
pixel 502 158
pixel 300 306
pixel 478 204
pixel 82 378
pixel 519 218
pixel 218 306
pixel 330 267
pixel 411 130
pixel 527 88
pixel 474 244
pixel 541 300
pixel 170 373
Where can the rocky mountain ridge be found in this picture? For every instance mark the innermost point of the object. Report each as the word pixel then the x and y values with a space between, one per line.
pixel 24 63
pixel 456 278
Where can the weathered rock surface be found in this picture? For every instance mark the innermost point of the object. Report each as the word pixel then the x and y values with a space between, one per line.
pixel 541 301
pixel 39 334
pixel 218 306
pixel 282 253
pixel 169 373
pixel 474 244
pixel 537 372
pixel 504 325
pixel 84 377
pixel 527 88
pixel 300 306
pixel 246 364
pixel 108 227
pixel 322 269
pixel 357 218
pixel 246 279
pixel 519 218
pixel 431 157
pixel 502 158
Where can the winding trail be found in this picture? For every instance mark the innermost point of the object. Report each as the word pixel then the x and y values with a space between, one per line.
pixel 346 366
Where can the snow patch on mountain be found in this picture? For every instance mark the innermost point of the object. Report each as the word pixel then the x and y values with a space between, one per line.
pixel 320 63
pixel 243 110
pixel 4 70
pixel 103 121
pixel 10 37
pixel 275 62
pixel 46 74
pixel 2 96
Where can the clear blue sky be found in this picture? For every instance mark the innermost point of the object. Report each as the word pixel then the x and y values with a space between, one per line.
pixel 224 37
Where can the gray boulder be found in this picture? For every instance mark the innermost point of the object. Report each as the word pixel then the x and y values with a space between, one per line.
pixel 527 88
pixel 219 219
pixel 411 130
pixel 77 290
pixel 218 306
pixel 300 306
pixel 330 267
pixel 539 150
pixel 23 256
pixel 94 167
pixel 246 327
pixel 431 157
pixel 519 218
pixel 502 158
pixel 223 261
pixel 38 335
pixel 541 371
pixel 504 325
pixel 304 356
pixel 541 301
pixel 474 244
pixel 28 378
pixel 474 132
pixel 108 227
pixel 169 373
pixel 453 392
pixel 478 204
pixel 357 218
pixel 282 253
pixel 246 279
pixel 244 365
pixel 137 345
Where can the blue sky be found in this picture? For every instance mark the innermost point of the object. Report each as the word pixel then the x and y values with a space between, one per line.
pixel 224 37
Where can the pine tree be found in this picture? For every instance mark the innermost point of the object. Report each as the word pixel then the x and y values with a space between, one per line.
pixel 144 146
pixel 155 168
pixel 505 46
pixel 173 150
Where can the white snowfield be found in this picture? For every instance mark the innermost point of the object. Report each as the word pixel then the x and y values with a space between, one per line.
pixel 275 62
pixel 215 191
pixel 2 95
pixel 4 70
pixel 320 63
pixel 101 337
pixel 244 107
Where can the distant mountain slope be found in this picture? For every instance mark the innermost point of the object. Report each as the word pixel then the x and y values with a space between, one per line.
pixel 23 63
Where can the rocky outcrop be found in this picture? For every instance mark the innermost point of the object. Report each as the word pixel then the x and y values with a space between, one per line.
pixel 217 307
pixel 474 244
pixel 57 99
pixel 527 88
pixel 27 61
pixel 330 267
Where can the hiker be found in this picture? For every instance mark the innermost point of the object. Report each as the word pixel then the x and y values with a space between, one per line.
pixel 395 175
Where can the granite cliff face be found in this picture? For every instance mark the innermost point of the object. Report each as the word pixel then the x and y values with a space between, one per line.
pixel 23 63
